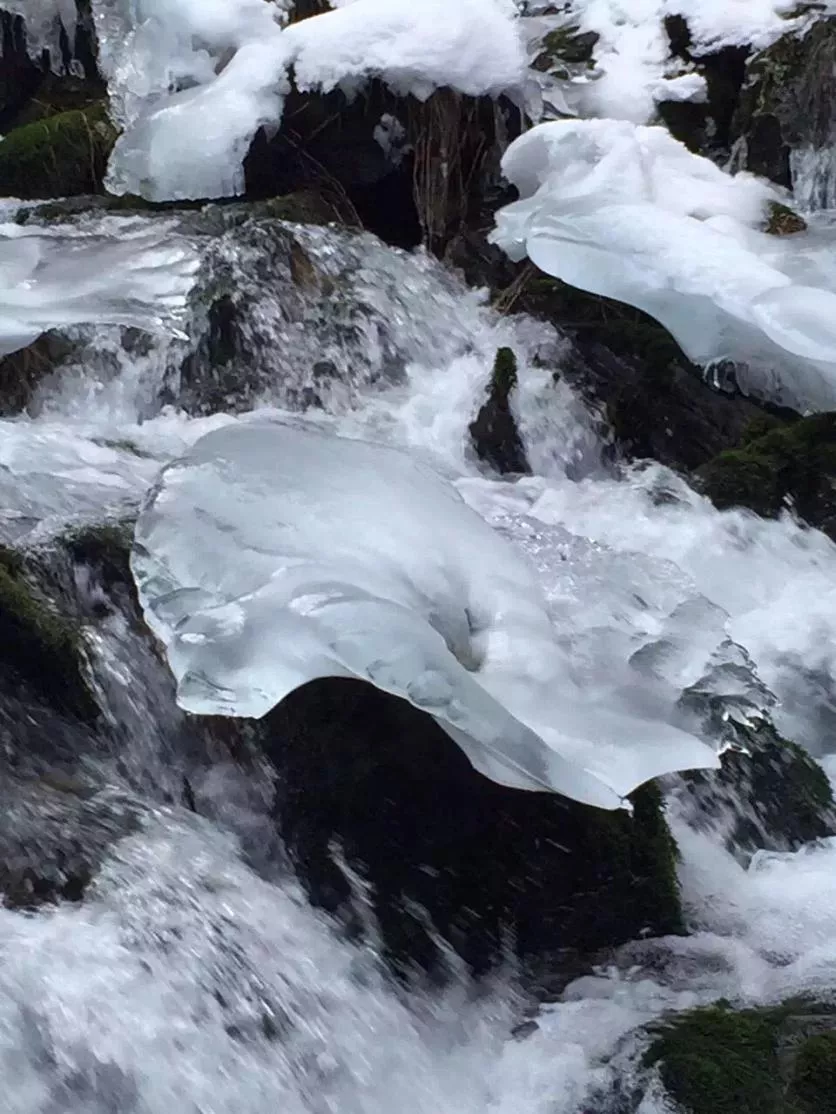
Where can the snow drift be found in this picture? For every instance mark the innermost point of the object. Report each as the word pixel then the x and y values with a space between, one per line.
pixel 269 556
pixel 628 212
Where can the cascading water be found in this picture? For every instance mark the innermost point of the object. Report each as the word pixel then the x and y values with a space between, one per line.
pixel 194 975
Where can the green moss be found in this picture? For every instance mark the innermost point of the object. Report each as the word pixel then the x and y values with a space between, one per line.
pixel 794 461
pixel 813 1085
pixel 504 375
pixel 778 1060
pixel 39 646
pixel 59 156
pixel 718 1061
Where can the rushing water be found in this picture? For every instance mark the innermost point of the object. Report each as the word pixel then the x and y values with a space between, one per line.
pixel 194 977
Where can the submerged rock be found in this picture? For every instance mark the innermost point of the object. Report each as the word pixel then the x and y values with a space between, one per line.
pixel 446 854
pixel 494 432
pixel 779 465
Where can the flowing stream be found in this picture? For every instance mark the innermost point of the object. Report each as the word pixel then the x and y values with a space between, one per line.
pixel 194 977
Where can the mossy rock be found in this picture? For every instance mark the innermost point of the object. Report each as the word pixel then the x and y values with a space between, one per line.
pixel 565 49
pixel 106 548
pixel 777 794
pixel 448 853
pixel 59 156
pixel 718 1060
pixel 493 432
pixel 41 647
pixel 783 221
pixel 775 463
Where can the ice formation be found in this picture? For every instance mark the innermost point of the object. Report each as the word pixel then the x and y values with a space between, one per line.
pixel 271 555
pixel 628 212
pixel 192 82
pixel 122 274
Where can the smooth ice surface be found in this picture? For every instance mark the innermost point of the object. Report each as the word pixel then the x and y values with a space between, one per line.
pixel 123 273
pixel 270 556
pixel 192 82
pixel 629 213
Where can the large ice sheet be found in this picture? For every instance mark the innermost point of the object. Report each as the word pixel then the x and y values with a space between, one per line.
pixel 627 212
pixel 124 273
pixel 271 555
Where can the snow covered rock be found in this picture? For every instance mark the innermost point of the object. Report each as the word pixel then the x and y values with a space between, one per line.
pixel 627 212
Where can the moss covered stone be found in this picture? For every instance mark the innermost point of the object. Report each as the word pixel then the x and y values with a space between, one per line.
pixel 39 646
pixel 779 1060
pixel 59 156
pixel 783 221
pixel 778 462
pixel 494 432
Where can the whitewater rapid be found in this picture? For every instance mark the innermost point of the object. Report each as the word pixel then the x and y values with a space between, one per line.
pixel 194 977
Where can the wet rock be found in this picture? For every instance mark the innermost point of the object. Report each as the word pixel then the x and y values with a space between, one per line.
pixel 40 647
pixel 788 101
pixel 55 830
pixel 718 1060
pixel 779 464
pixel 494 432
pixel 61 155
pixel 21 372
pixel 772 795
pixel 365 778
pixel 658 404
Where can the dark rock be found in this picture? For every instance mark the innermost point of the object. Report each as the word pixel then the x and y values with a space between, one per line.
pixel 57 156
pixel 788 101
pixel 779 464
pixel 494 432
pixel 445 851
pixel 659 405
pixel 55 831
pixel 21 372
pixel 41 647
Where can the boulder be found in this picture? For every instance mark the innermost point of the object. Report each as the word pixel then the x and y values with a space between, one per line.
pixel 371 789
